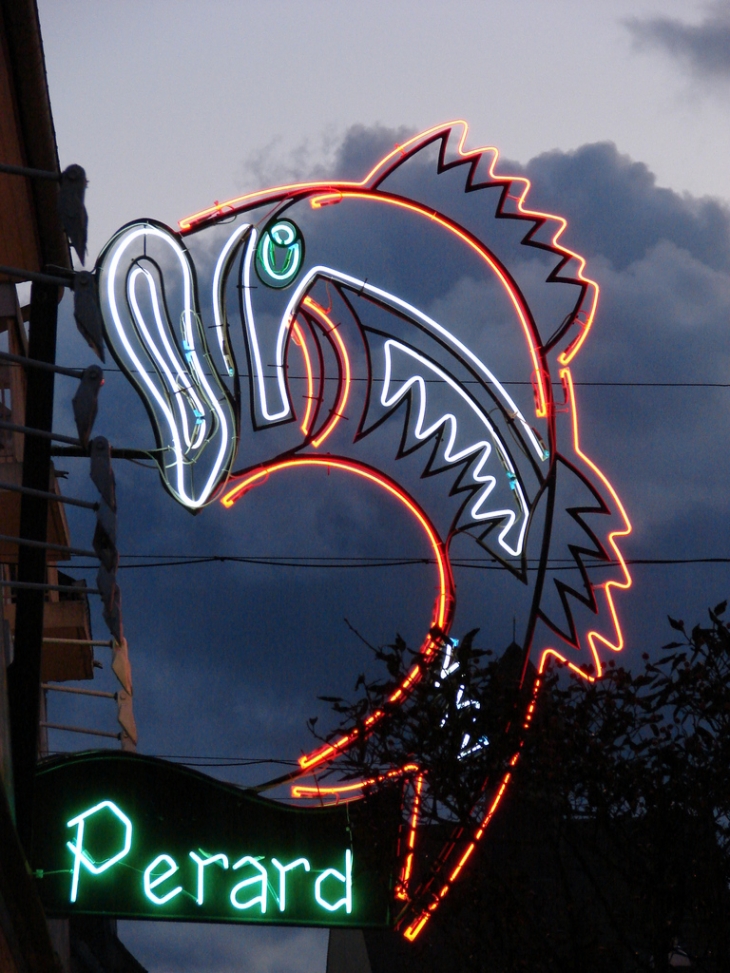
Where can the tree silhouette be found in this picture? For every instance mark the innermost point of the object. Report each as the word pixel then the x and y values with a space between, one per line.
pixel 612 849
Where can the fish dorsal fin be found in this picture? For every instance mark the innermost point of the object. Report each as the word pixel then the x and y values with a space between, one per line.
pixel 436 169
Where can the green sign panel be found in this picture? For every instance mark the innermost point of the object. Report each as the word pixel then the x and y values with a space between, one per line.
pixel 136 837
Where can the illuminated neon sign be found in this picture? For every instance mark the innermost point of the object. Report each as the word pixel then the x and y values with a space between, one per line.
pixel 425 306
pixel 164 867
pixel 208 851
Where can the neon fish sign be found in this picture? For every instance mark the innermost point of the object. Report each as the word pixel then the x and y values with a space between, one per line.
pixel 425 300
pixel 211 853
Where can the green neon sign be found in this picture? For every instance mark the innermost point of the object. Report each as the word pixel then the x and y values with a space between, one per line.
pixel 132 836
pixel 78 851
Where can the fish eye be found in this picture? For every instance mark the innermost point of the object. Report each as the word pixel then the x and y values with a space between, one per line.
pixel 279 254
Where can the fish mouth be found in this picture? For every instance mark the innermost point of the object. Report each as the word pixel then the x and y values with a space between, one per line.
pixel 495 478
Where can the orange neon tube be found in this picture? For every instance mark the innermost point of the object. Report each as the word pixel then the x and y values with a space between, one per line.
pixel 380 170
pixel 334 790
pixel 318 201
pixel 336 463
pixel 296 188
pixel 405 877
pixel 596 638
pixel 301 341
pixel 441 617
pixel 345 371
pixel 413 929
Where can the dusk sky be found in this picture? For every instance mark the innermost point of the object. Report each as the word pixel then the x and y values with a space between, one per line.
pixel 618 114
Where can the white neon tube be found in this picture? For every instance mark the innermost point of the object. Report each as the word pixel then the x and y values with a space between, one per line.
pixel 180 379
pixel 183 381
pixel 258 374
pixel 362 287
pixel 449 420
pixel 220 323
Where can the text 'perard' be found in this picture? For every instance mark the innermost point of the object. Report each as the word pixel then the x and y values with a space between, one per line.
pixel 104 840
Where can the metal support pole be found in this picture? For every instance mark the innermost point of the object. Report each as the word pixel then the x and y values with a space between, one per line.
pixel 28 431
pixel 42 586
pixel 25 362
pixel 30 173
pixel 64 548
pixel 131 454
pixel 24 675
pixel 79 692
pixel 107 643
pixel 52 497
pixel 82 729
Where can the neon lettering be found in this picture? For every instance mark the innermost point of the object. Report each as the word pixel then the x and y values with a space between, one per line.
pixel 221 860
pixel 163 867
pixel 262 878
pixel 152 883
pixel 283 869
pixel 77 848
pixel 346 879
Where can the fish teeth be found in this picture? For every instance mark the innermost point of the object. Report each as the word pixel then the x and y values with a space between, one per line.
pixel 393 392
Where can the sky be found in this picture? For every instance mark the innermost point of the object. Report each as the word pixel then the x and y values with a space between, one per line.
pixel 617 113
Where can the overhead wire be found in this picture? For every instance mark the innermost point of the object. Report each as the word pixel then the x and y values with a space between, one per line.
pixel 292 561
pixel 146 561
pixel 470 381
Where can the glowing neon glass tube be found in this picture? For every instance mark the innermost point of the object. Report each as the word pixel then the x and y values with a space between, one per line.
pixel 77 848
pixel 443 607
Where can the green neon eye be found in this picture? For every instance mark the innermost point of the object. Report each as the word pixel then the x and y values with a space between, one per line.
pixel 279 254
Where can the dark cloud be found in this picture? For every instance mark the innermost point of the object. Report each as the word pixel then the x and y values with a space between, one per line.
pixel 331 155
pixel 662 261
pixel 615 208
pixel 364 145
pixel 704 48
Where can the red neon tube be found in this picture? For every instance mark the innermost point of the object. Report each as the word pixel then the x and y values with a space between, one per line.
pixel 332 190
pixel 345 372
pixel 301 341
pixel 318 201
pixel 443 606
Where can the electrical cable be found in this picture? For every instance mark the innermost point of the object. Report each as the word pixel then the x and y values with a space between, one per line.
pixel 293 561
pixel 587 384
pixel 468 381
